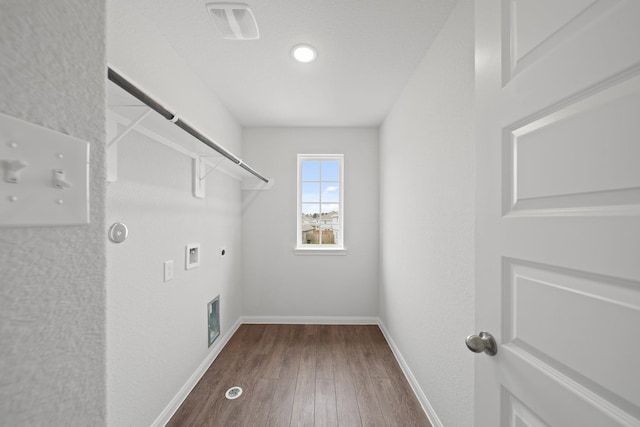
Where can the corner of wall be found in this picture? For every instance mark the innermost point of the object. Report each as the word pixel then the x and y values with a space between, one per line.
pixel 427 187
pixel 53 305
pixel 411 378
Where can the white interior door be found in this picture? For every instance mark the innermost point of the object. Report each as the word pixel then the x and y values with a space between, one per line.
pixel 558 228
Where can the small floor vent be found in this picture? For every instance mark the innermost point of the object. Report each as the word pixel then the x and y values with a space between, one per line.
pixel 233 393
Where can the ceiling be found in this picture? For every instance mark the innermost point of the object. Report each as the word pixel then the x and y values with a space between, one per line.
pixel 367 50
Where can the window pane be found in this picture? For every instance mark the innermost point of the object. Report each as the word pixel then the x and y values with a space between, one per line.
pixel 330 209
pixel 310 192
pixel 331 170
pixel 329 236
pixel 329 223
pixel 311 209
pixel 309 231
pixel 310 236
pixel 330 192
pixel 311 170
pixel 320 187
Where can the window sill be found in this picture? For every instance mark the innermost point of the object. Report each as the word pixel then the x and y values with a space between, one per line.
pixel 317 251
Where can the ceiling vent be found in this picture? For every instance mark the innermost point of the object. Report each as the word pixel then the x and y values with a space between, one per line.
pixel 235 21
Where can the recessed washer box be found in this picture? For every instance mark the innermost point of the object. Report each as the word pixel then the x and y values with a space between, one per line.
pixel 213 319
pixel 192 256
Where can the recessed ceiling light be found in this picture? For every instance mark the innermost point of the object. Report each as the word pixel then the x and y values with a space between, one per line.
pixel 304 53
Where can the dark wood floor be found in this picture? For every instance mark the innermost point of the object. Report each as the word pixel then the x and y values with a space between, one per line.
pixel 304 375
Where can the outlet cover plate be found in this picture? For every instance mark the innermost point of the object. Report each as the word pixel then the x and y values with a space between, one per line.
pixel 36 200
pixel 168 270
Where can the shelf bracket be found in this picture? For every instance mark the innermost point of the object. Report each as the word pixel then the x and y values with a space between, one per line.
pixel 198 166
pixel 129 128
pixel 112 145
pixel 200 172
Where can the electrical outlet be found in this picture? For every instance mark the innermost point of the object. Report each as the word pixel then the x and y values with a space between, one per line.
pixel 168 270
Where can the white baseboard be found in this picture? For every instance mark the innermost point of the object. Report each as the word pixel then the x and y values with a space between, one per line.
pixel 417 390
pixel 175 403
pixel 312 320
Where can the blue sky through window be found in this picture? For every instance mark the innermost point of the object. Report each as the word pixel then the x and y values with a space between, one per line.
pixel 311 170
pixel 320 182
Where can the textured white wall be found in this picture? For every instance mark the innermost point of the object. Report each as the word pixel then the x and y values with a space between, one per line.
pixel 157 331
pixel 52 292
pixel 427 220
pixel 275 281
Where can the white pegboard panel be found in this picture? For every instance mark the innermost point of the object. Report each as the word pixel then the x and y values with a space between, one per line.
pixel 44 176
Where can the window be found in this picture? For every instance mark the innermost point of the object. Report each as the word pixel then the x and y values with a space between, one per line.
pixel 320 203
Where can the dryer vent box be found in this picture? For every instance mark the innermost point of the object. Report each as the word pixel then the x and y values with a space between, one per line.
pixel 235 21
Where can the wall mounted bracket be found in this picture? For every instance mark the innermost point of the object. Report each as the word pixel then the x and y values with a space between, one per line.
pixel 130 109
pixel 113 137
pixel 198 177
pixel 200 172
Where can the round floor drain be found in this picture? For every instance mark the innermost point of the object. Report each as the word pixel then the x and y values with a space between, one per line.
pixel 233 393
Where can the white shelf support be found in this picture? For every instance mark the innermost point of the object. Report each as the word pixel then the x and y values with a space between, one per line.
pixel 113 137
pixel 129 128
pixel 173 118
pixel 198 179
pixel 200 172
pixel 121 116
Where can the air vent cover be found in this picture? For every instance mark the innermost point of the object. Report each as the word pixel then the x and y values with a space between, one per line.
pixel 235 21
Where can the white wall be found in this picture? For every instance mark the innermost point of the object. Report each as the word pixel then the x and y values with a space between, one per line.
pixel 427 220
pixel 275 281
pixel 157 331
pixel 52 291
pixel 139 50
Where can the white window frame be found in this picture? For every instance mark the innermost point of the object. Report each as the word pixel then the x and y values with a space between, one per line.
pixel 337 249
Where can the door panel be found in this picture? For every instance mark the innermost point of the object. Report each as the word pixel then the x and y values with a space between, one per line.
pixel 533 29
pixel 579 157
pixel 534 21
pixel 518 415
pixel 552 398
pixel 604 314
pixel 558 212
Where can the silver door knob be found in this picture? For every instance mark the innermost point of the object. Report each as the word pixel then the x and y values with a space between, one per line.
pixel 483 342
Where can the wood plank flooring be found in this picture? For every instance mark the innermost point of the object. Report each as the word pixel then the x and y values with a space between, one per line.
pixel 304 375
